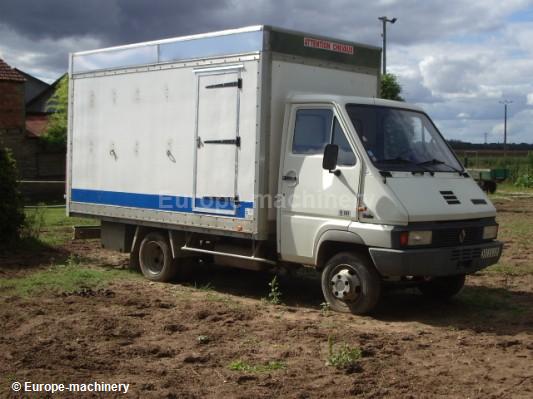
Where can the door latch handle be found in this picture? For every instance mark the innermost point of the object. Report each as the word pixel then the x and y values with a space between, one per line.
pixel 289 178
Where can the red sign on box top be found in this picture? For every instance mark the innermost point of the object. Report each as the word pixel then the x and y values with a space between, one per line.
pixel 328 45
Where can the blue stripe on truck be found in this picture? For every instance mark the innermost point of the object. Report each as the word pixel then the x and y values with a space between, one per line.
pixel 161 202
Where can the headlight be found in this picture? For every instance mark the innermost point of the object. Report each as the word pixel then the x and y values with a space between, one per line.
pixel 490 232
pixel 419 238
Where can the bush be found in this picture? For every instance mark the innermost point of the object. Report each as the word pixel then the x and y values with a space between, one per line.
pixel 524 181
pixel 11 205
pixel 56 132
pixel 33 223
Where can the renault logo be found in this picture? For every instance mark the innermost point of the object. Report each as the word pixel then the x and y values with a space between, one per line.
pixel 462 236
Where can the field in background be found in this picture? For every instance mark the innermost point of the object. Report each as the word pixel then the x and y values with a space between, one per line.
pixel 72 312
pixel 519 163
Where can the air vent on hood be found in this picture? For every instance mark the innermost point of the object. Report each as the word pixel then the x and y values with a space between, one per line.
pixel 450 197
pixel 478 201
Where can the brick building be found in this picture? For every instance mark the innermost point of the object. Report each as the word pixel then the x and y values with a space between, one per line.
pixel 21 128
pixel 12 104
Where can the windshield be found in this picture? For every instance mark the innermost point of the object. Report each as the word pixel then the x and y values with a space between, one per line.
pixel 402 140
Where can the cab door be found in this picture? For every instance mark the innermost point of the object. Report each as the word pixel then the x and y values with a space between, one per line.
pixel 313 199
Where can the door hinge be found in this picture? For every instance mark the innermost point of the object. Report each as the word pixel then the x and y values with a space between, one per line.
pixel 236 141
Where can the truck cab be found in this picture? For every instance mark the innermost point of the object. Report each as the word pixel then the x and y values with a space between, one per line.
pixel 370 192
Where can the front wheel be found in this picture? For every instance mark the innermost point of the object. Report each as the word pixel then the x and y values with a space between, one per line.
pixel 351 284
pixel 442 287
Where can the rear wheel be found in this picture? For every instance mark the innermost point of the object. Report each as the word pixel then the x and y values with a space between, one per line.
pixel 155 258
pixel 442 287
pixel 351 284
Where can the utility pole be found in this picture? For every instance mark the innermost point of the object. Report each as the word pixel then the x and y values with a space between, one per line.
pixel 485 137
pixel 505 103
pixel 384 21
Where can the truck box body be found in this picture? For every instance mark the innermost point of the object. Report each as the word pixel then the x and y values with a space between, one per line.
pixel 186 133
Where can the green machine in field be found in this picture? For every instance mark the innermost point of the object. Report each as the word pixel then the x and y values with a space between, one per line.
pixel 488 179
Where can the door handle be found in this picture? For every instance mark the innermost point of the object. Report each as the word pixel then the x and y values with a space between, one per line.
pixel 289 178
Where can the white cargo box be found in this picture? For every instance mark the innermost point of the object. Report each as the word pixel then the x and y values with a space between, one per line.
pixel 185 133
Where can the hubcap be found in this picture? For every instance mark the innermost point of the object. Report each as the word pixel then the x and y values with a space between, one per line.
pixel 153 257
pixel 345 285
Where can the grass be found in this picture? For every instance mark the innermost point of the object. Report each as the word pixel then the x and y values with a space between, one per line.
pixel 58 279
pixel 508 187
pixel 274 296
pixel 241 365
pixel 207 287
pixel 490 300
pixel 510 269
pixel 325 308
pixel 516 230
pixel 344 357
pixel 225 299
pixel 203 339
pixel 56 225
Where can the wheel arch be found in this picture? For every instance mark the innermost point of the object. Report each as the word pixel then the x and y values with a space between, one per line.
pixel 335 241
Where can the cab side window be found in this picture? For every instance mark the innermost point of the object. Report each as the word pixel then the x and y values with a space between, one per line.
pixel 312 131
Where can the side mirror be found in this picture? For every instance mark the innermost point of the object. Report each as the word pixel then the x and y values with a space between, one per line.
pixel 331 154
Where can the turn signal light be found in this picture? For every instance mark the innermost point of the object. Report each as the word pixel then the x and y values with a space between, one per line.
pixel 404 238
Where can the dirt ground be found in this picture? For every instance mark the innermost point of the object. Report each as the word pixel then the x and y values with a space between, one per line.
pixel 179 340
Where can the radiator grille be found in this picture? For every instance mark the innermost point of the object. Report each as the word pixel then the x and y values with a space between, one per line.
pixel 457 236
pixel 465 254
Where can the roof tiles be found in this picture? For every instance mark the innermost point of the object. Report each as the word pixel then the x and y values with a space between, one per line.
pixel 8 73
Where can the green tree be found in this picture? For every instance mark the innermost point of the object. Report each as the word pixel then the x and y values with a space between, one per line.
pixel 56 132
pixel 11 206
pixel 390 88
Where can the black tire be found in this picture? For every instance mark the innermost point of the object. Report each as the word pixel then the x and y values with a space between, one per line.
pixel 362 283
pixel 155 258
pixel 442 288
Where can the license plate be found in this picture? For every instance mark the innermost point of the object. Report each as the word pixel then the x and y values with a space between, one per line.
pixel 490 253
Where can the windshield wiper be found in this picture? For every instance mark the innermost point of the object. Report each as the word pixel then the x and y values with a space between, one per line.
pixel 435 161
pixel 395 160
pixel 399 160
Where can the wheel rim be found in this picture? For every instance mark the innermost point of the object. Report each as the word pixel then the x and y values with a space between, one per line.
pixel 153 257
pixel 345 284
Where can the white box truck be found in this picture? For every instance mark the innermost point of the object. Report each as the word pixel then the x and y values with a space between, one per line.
pixel 266 148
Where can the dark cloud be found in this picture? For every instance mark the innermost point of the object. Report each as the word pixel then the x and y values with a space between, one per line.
pixel 435 47
pixel 125 21
pixel 112 21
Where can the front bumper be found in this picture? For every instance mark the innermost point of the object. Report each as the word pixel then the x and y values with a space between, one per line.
pixel 445 261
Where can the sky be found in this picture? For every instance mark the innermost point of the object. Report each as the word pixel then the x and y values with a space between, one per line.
pixel 457 58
